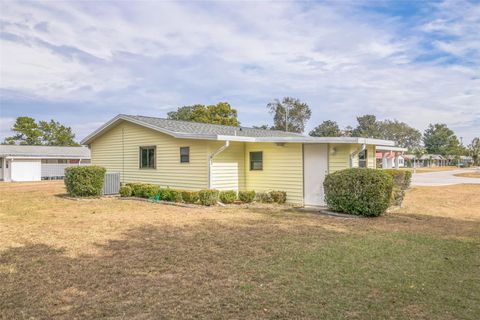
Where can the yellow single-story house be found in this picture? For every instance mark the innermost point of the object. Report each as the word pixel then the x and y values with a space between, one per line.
pixel 194 156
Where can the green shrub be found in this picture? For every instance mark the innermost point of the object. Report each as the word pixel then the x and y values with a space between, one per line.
pixel 208 197
pixel 176 195
pixel 149 190
pixel 397 196
pixel 228 196
pixel 246 196
pixel 359 191
pixel 401 181
pixel 166 194
pixel 279 197
pixel 408 180
pixel 125 191
pixel 137 189
pixel 84 181
pixel 264 197
pixel 190 196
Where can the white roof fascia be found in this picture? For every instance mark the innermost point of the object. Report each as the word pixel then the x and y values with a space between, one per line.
pixel 235 138
pixel 44 157
pixel 387 148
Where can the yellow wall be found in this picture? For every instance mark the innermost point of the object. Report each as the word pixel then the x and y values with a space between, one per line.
pixel 107 150
pixel 282 169
pixel 339 156
pixel 228 167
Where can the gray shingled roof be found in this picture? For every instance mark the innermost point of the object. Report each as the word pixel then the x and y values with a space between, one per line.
pixel 186 127
pixel 45 151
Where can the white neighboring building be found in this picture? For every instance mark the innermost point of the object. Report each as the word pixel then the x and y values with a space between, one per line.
pixel 391 157
pixel 35 163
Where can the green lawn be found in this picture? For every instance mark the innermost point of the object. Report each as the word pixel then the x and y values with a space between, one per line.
pixel 126 259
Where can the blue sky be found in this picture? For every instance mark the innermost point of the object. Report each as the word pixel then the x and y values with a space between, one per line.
pixel 81 63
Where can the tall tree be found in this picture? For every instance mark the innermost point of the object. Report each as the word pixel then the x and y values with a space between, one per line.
pixel 56 134
pixel 26 132
pixel 327 128
pixel 368 127
pixel 402 133
pixel 290 114
pixel 439 139
pixel 474 150
pixel 220 113
pixel 29 132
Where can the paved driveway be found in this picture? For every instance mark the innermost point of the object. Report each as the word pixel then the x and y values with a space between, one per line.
pixel 443 178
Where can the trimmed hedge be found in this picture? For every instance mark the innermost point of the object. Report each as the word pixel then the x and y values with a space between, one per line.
pixel 84 181
pixel 246 196
pixel 228 196
pixel 190 196
pixel 208 197
pixel 358 191
pixel 401 182
pixel 264 197
pixel 125 191
pixel 279 197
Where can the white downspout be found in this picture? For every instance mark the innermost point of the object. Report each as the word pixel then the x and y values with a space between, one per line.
pixel 210 161
pixel 354 153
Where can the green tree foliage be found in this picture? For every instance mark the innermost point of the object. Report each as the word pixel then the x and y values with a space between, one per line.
pixel 439 139
pixel 220 113
pixel 405 136
pixel 368 127
pixel 29 132
pixel 327 128
pixel 474 150
pixel 402 133
pixel 56 134
pixel 290 114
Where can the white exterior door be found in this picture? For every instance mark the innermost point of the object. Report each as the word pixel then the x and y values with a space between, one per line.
pixel 26 170
pixel 315 164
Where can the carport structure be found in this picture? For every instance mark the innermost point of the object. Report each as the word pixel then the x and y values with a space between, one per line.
pixel 35 163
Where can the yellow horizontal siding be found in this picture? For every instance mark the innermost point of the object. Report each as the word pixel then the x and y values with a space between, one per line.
pixel 118 151
pixel 339 156
pixel 228 167
pixel 282 169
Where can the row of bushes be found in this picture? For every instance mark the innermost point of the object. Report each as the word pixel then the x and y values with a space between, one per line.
pixel 401 182
pixel 205 197
pixel 363 191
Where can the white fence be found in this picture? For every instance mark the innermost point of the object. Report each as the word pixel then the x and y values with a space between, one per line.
pixel 57 170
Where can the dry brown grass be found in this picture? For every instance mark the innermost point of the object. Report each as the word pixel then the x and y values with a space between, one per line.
pixel 461 201
pixel 475 174
pixel 97 258
pixel 431 169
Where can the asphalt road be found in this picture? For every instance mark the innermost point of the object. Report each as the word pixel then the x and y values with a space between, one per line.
pixel 443 178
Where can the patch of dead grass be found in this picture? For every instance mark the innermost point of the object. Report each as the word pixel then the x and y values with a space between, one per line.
pixel 475 174
pixel 61 258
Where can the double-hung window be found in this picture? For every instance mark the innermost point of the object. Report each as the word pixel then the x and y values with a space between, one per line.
pixel 362 159
pixel 256 160
pixel 184 154
pixel 147 157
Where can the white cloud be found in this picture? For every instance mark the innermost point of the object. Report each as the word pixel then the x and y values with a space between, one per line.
pixel 343 60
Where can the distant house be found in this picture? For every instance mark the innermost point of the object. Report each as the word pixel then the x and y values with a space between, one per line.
pixel 390 157
pixel 193 156
pixel 34 163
